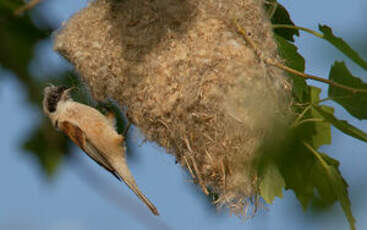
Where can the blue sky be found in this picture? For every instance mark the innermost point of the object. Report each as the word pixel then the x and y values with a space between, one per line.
pixel 28 201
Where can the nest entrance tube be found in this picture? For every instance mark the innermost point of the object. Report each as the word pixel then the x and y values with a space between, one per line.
pixel 189 81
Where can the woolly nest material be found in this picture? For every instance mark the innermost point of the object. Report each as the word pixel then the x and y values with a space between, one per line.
pixel 189 80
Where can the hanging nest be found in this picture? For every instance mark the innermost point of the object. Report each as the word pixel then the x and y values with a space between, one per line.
pixel 189 82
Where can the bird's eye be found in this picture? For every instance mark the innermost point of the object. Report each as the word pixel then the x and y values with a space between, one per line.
pixel 51 107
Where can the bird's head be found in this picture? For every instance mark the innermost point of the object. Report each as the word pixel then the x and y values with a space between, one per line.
pixel 52 95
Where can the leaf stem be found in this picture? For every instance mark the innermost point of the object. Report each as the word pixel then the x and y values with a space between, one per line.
pixel 310 120
pixel 278 26
pixel 338 184
pixel 300 116
pixel 317 155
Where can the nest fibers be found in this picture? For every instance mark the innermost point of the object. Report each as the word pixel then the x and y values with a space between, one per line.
pixel 189 81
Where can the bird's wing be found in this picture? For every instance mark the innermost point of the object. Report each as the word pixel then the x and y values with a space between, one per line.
pixel 79 138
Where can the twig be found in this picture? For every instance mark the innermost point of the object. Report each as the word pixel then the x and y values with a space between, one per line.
pixel 189 167
pixel 201 182
pixel 196 169
pixel 272 62
pixel 247 38
pixel 29 5
pixel 224 174
pixel 274 6
pixel 209 156
pixel 312 77
pixel 124 133
pixel 163 123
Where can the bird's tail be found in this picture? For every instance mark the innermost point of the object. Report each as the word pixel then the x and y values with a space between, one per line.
pixel 141 196
pixel 126 176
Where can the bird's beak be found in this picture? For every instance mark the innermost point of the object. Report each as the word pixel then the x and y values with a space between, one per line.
pixel 68 91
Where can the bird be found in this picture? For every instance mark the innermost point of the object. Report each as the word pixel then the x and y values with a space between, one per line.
pixel 93 132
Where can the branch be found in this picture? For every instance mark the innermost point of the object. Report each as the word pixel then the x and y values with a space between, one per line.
pixel 272 62
pixel 313 77
pixel 29 5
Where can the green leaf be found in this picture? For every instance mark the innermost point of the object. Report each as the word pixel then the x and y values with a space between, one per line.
pixel 336 181
pixel 322 135
pixel 298 166
pixel 48 146
pixel 10 5
pixel 294 60
pixel 341 45
pixel 354 103
pixel 325 196
pixel 18 37
pixel 342 125
pixel 322 128
pixel 272 183
pixel 314 94
pixel 295 166
pixel 281 16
